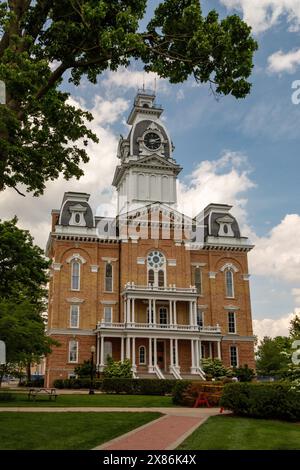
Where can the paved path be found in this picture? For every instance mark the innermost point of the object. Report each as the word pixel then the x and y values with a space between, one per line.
pixel 166 432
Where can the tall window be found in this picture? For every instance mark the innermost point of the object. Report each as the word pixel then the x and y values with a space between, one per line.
pixel 233 356
pixel 151 277
pixel 198 280
pixel 200 317
pixel 142 355
pixel 229 283
pixel 231 322
pixel 75 275
pixel 73 351
pixel 108 314
pixel 161 278
pixel 74 316
pixel 163 316
pixel 108 277
pixel 107 350
pixel 156 265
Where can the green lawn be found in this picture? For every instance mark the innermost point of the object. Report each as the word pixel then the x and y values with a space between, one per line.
pixel 65 431
pixel 147 401
pixel 232 433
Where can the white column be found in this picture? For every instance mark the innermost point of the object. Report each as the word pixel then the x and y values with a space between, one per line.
pixel 210 349
pixel 193 356
pixel 155 352
pixel 191 313
pixel 154 312
pixel 127 347
pixel 133 310
pixel 125 310
pixel 102 352
pixel 171 322
pixel 98 349
pixel 175 312
pixel 219 349
pixel 176 353
pixel 133 353
pixel 150 311
pixel 128 310
pixel 195 313
pixel 150 364
pixel 122 348
pixel 171 352
pixel 199 353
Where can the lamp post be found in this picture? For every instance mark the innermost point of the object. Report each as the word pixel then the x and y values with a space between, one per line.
pixel 91 391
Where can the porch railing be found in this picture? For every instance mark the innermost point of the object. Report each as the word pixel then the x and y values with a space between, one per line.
pixel 151 326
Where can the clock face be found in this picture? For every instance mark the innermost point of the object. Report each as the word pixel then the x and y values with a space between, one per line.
pixel 152 141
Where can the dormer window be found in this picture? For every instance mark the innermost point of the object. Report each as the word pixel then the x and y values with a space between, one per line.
pixel 225 224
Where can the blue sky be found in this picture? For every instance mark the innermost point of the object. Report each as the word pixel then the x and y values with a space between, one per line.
pixel 247 149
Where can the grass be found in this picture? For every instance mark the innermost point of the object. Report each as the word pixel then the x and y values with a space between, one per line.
pixel 147 401
pixel 233 433
pixel 65 431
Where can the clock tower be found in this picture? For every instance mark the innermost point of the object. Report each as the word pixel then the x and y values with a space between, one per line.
pixel 147 172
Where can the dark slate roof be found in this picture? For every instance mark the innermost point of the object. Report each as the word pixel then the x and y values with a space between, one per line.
pixel 66 213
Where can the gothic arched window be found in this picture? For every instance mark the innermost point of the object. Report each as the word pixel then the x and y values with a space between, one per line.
pixel 229 283
pixel 108 277
pixel 161 278
pixel 75 275
pixel 151 277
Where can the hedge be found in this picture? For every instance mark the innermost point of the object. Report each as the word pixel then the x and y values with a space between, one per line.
pixel 185 392
pixel 119 385
pixel 268 400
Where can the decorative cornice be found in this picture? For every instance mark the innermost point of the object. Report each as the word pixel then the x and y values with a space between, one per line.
pixel 229 266
pixel 212 275
pixel 246 277
pixel 172 262
pixel 198 265
pixel 72 332
pixel 77 257
pixel 75 300
pixel 238 338
pixel 109 259
pixel 56 266
pixel 108 302
pixel 140 260
pixel 231 307
pixel 94 268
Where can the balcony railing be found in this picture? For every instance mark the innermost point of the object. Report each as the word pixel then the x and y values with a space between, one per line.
pixel 159 326
pixel 171 288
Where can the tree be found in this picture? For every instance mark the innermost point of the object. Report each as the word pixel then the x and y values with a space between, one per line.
pixel 85 369
pixel 244 373
pixel 295 328
pixel 273 355
pixel 43 41
pixel 214 368
pixel 23 267
pixel 23 279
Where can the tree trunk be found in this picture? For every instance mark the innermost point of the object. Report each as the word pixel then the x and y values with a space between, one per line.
pixel 28 370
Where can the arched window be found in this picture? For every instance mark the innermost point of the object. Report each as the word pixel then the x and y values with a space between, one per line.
pixel 75 275
pixel 161 278
pixel 198 280
pixel 229 283
pixel 156 265
pixel 108 277
pixel 73 351
pixel 142 355
pixel 151 277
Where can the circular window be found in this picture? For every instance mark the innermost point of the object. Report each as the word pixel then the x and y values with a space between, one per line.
pixel 156 259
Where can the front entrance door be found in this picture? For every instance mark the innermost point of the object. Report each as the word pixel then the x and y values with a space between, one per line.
pixel 161 354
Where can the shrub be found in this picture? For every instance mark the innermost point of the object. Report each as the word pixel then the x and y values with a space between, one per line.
pixel 119 369
pixel 138 386
pixel 84 370
pixel 77 383
pixel 7 396
pixel 185 393
pixel 244 373
pixel 34 382
pixel 269 400
pixel 214 368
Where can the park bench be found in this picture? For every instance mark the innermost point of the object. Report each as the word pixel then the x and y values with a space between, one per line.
pixel 203 399
pixel 34 392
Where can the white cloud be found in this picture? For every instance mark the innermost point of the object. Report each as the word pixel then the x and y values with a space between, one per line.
pixel 264 14
pixel 217 181
pixel 271 327
pixel 278 254
pixel 296 294
pixel 134 79
pixel 284 62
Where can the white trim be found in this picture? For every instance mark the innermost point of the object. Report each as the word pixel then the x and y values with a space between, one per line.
pixel 140 260
pixel 234 318
pixel 109 259
pixel 75 260
pixel 198 265
pixel 74 300
pixel 246 277
pixel 76 257
pixel 230 267
pixel 108 302
pixel 69 351
pixel 112 277
pixel 172 262
pixel 78 315
pixel 237 355
pixel 226 285
pixel 212 275
pixel 231 307
pixel 145 355
pixel 56 266
pixel 94 268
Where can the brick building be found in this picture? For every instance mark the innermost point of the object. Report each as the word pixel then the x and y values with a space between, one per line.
pixel 150 284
